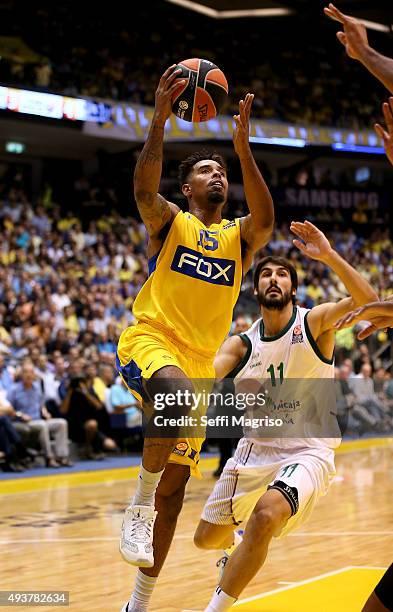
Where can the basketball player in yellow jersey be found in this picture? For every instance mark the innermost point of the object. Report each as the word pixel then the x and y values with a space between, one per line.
pixel 184 312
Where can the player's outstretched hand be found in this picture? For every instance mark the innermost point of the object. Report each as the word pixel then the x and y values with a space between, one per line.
pixel 241 132
pixel 354 37
pixel 379 314
pixel 387 135
pixel 164 91
pixel 313 242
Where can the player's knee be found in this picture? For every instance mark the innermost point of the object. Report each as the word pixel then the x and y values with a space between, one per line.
pixel 205 538
pixel 265 522
pixel 172 503
pixel 200 539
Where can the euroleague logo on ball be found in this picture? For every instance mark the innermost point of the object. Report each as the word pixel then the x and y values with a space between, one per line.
pixel 183 104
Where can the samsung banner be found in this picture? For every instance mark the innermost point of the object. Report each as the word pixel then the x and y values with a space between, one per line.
pixel 328 198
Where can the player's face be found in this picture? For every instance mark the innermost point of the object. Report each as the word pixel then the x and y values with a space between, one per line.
pixel 274 287
pixel 208 180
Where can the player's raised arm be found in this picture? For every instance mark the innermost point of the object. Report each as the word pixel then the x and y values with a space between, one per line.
pixel 156 211
pixel 379 314
pixel 314 244
pixel 229 356
pixel 354 39
pixel 387 135
pixel 257 227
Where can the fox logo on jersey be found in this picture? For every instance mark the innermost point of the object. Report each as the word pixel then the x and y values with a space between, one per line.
pixel 209 269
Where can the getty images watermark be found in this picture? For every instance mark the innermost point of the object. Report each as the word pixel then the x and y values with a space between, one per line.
pixel 197 402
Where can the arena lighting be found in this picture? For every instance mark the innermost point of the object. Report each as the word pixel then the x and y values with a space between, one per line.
pixel 352 148
pixel 15 147
pixel 283 142
pixel 210 12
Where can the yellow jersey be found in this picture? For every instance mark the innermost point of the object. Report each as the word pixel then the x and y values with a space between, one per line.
pixel 194 282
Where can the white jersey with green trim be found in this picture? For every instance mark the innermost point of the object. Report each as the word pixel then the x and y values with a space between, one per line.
pixel 306 406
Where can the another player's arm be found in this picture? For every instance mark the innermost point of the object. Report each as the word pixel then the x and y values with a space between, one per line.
pixel 379 314
pixel 315 245
pixel 155 210
pixel 257 227
pixel 354 39
pixel 387 135
pixel 229 356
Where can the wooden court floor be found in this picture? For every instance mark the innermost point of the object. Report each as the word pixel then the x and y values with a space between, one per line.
pixel 61 533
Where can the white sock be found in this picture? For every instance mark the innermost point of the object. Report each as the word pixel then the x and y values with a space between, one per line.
pixel 220 602
pixel 237 539
pixel 142 592
pixel 146 487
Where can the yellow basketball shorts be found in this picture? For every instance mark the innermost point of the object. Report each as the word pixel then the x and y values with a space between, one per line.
pixel 141 351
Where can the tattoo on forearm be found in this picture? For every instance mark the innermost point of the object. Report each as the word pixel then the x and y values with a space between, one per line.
pixel 153 208
pixel 152 151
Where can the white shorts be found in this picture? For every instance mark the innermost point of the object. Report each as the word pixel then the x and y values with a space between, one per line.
pixel 301 475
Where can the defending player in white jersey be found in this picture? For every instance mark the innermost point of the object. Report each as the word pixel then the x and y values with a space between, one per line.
pixel 274 483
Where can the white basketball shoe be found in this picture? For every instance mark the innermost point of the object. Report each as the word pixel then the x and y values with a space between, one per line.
pixel 136 542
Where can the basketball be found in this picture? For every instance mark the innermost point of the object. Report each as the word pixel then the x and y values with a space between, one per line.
pixel 203 94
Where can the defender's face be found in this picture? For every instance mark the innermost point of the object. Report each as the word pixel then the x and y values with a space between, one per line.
pixel 274 287
pixel 207 180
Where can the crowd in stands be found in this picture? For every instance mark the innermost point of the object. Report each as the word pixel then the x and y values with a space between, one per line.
pixel 295 67
pixel 66 292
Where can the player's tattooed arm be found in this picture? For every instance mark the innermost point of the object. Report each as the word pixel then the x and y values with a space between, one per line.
pixel 156 211
pixel 229 356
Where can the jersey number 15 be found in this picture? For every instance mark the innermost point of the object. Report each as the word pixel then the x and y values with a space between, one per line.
pixel 207 241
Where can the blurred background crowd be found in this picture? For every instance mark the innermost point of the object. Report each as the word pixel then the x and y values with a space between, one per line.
pixel 66 48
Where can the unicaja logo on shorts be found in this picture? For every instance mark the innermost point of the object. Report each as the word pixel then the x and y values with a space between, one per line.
pixel 209 269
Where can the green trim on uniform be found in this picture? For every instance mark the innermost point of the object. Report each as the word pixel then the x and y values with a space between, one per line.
pixel 314 345
pixel 242 363
pixel 281 333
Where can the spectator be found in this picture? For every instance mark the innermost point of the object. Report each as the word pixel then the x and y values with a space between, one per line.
pixel 11 446
pixel 362 357
pixel 123 402
pixel 85 414
pixel 353 418
pixel 51 383
pixel 362 386
pixel 27 400
pixel 6 376
pixel 241 325
pixel 59 343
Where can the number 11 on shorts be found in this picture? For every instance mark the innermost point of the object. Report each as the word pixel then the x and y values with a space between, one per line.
pixel 289 470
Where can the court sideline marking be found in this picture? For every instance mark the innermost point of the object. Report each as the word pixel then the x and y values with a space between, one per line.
pixel 295 585
pixel 109 476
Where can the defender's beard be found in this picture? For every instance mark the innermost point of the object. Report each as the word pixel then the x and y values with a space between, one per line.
pixel 274 301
